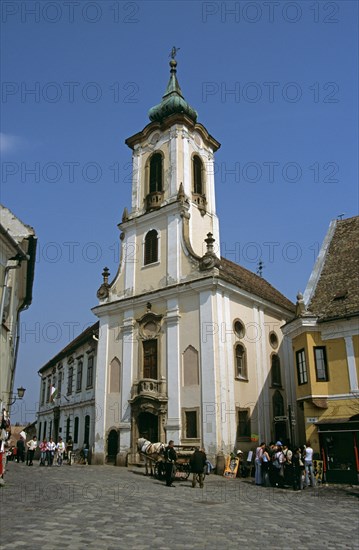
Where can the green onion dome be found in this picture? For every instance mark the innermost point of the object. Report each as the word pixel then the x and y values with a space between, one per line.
pixel 173 101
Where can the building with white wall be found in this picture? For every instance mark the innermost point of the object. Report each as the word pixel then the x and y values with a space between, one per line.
pixel 190 346
pixel 67 392
pixel 17 268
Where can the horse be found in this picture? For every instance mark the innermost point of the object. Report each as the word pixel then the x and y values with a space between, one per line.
pixel 151 451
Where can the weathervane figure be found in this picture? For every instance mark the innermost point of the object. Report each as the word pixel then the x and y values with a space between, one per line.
pixel 174 52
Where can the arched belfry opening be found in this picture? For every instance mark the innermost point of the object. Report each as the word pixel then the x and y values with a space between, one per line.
pixel 154 196
pixel 198 183
pixel 156 173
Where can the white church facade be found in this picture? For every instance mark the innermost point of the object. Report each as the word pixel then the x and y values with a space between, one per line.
pixel 190 346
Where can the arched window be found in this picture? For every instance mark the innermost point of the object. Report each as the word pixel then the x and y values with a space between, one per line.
pixel 275 370
pixel 68 426
pixel 156 173
pixel 76 430
pixel 198 186
pixel 241 362
pixel 151 247
pixel 87 430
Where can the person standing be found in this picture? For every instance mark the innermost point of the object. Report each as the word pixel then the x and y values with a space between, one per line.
pixel 258 463
pixel 60 447
pixel 43 449
pixel 69 449
pixel 308 463
pixel 31 446
pixel 51 446
pixel 198 464
pixel 170 458
pixel 85 451
pixel 20 445
pixel 265 467
pixel 297 469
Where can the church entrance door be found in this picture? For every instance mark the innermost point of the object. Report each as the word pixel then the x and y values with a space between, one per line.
pixel 112 446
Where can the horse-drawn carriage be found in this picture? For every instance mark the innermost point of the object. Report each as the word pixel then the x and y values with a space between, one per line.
pixel 153 455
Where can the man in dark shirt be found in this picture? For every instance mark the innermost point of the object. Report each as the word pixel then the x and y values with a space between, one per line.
pixel 198 463
pixel 170 458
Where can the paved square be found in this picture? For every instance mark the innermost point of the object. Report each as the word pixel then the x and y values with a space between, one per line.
pixel 105 507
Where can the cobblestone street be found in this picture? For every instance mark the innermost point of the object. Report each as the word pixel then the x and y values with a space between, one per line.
pixel 115 508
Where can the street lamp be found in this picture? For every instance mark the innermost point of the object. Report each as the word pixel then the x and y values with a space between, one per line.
pixel 20 394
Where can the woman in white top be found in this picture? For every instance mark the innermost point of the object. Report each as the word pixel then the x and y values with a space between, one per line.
pixel 60 447
pixel 51 446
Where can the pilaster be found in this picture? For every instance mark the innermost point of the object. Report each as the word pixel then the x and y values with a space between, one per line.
pixel 208 329
pixel 128 343
pixel 101 385
pixel 173 425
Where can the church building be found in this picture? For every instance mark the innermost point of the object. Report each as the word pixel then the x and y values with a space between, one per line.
pixel 190 345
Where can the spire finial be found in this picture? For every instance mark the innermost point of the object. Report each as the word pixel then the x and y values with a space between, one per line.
pixel 174 52
pixel 173 101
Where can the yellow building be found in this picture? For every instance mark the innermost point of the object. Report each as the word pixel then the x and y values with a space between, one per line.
pixel 325 340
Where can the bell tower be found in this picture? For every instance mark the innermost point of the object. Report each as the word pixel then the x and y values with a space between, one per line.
pixel 173 171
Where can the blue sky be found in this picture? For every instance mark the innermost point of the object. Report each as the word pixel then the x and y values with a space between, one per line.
pixel 274 82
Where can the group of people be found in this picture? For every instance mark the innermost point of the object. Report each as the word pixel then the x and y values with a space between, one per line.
pixel 277 466
pixel 50 452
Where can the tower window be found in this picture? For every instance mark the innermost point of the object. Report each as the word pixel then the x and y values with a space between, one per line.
pixel 197 176
pixel 151 247
pixel 156 173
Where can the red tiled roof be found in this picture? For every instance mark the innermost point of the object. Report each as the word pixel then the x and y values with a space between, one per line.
pixel 336 294
pixel 250 282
